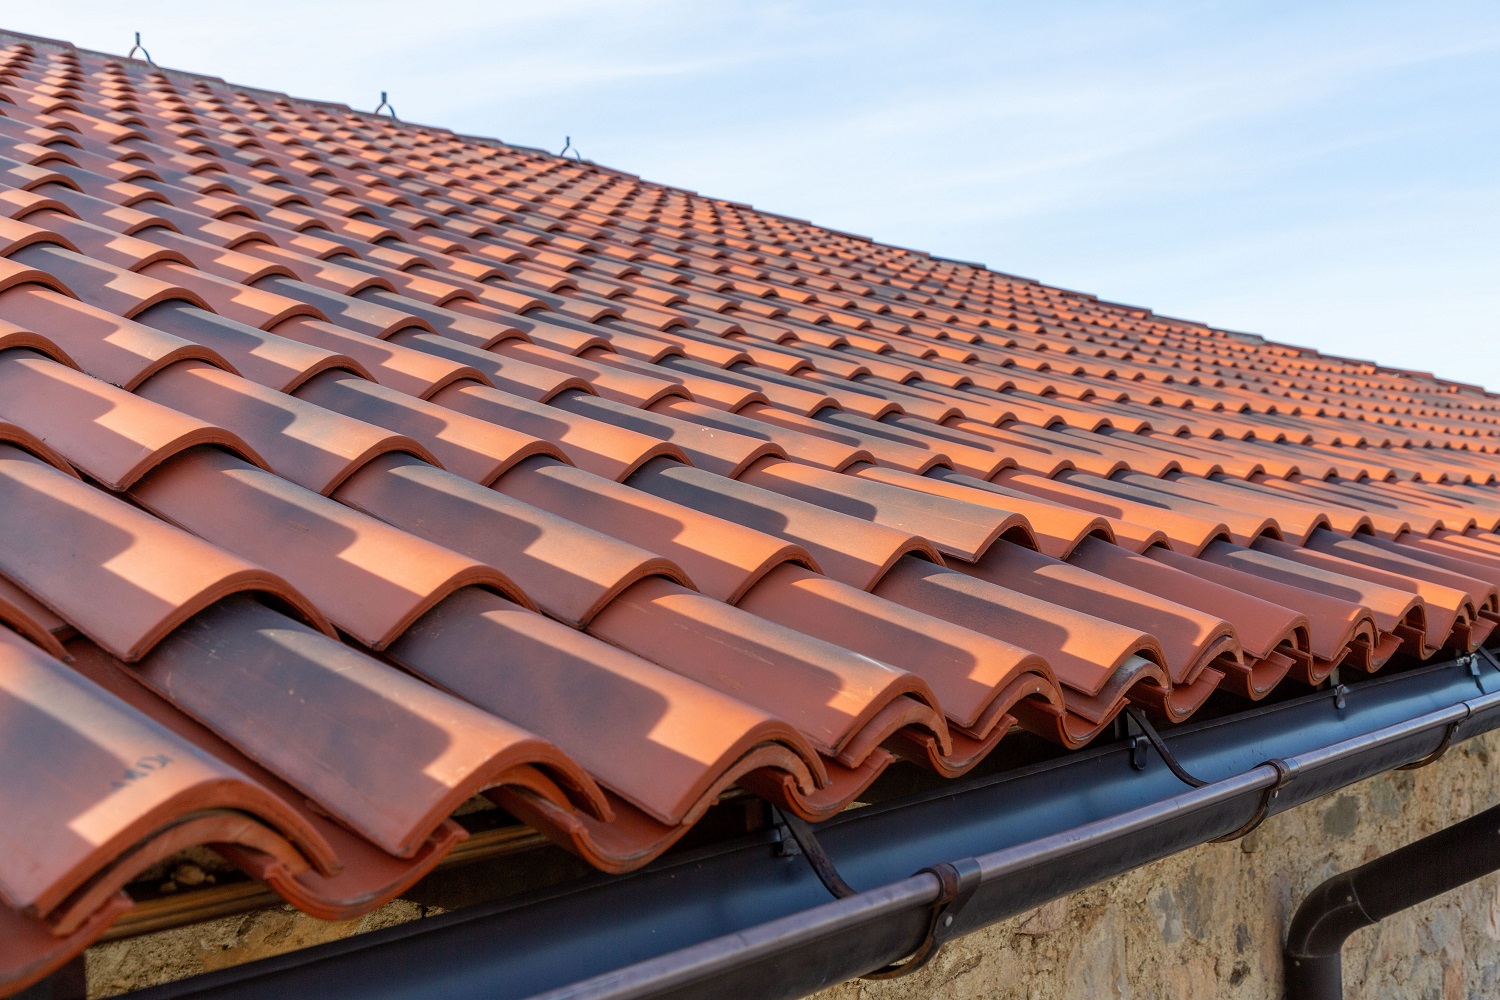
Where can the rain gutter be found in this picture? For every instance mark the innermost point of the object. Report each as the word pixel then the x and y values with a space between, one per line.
pixel 751 917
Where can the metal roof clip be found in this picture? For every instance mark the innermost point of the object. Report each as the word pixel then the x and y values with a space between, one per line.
pixel 385 103
pixel 142 49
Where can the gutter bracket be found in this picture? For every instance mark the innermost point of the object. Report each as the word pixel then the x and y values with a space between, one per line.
pixel 1263 809
pixel 959 881
pixel 1442 747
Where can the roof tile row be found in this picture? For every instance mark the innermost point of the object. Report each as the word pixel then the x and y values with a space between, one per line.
pixel 353 469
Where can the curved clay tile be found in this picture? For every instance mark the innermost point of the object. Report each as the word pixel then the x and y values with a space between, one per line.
pixel 1455 552
pixel 328 273
pixel 513 375
pixel 416 373
pixel 1340 629
pixel 1440 609
pixel 475 449
pixel 721 557
pixel 1296 519
pixel 956 528
pixel 116 574
pixel 570 571
pixel 100 792
pixel 384 753
pixel 115 290
pixel 16 234
pixel 271 360
pixel 1131 524
pixel 629 388
pixel 24 439
pixel 718 451
pixel 1273 639
pixel 104 244
pixel 720 395
pixel 370 579
pixel 355 878
pixel 112 435
pixel 31 619
pixel 786 393
pixel 1052 527
pixel 853 550
pixel 869 401
pixel 557 332
pixel 656 739
pixel 249 304
pixel 604 449
pixel 870 438
pixel 357 315
pixel 976 678
pixel 1429 567
pixel 311 446
pixel 114 350
pixel 833 696
pixel 464 321
pixel 1190 640
pixel 1085 652
pixel 214 258
pixel 29 951
pixel 822 452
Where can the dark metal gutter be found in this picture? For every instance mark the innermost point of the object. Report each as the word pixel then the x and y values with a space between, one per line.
pixel 750 919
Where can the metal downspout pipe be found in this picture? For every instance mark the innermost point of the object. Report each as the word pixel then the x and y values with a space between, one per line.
pixel 1366 895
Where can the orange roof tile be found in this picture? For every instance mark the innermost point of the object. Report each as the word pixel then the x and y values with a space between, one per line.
pixel 352 468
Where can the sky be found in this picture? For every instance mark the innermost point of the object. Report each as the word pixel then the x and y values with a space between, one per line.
pixel 1322 174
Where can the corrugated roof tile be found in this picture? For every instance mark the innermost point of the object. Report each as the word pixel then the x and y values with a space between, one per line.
pixel 501 415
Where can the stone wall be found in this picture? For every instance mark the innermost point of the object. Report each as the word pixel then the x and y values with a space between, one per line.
pixel 1206 923
pixel 1210 922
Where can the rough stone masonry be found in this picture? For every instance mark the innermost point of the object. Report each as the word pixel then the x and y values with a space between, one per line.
pixel 1206 923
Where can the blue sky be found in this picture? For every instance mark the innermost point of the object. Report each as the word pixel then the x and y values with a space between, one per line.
pixel 1324 174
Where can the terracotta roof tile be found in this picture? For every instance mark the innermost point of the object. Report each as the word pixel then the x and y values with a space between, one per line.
pixel 650 495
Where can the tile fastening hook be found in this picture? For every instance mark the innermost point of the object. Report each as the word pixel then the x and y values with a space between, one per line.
pixel 1150 737
pixel 805 842
pixel 138 47
pixel 385 103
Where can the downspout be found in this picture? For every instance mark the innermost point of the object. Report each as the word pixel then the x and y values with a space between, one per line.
pixel 1368 894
